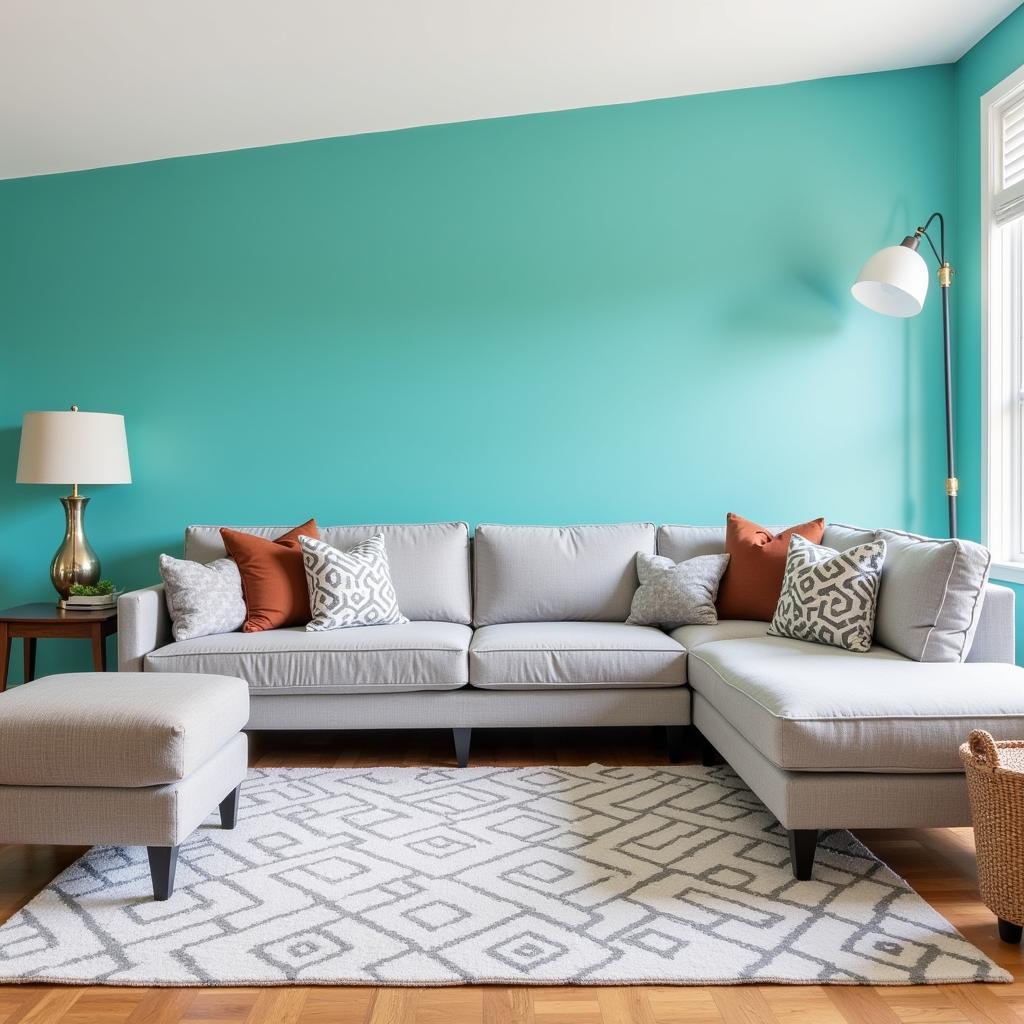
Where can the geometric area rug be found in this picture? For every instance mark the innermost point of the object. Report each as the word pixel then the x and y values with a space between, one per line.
pixel 541 875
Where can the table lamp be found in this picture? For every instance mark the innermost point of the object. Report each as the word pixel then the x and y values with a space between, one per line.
pixel 73 448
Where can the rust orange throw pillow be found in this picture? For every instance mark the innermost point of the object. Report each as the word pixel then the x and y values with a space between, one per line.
pixel 757 562
pixel 273 577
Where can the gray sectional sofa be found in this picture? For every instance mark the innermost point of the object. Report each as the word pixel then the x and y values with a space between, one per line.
pixel 527 628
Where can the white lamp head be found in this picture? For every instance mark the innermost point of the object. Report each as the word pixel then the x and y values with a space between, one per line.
pixel 894 281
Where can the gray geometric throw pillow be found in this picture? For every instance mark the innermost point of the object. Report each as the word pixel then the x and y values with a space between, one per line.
pixel 828 596
pixel 349 588
pixel 202 599
pixel 675 594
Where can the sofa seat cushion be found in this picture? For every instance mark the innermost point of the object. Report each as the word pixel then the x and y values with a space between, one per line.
pixel 124 729
pixel 692 637
pixel 807 707
pixel 539 655
pixel 361 659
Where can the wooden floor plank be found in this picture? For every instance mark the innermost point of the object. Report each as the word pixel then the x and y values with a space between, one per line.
pixel 980 1003
pixel 163 1006
pixel 449 1006
pixel 49 1007
pixel 860 1004
pixel 115 1005
pixel 625 1006
pixel 340 1005
pixel 571 1007
pixel 672 1005
pixel 938 863
pixel 802 1004
pixel 278 1006
pixel 743 1005
pixel 507 1006
pixel 393 1006
pixel 211 1004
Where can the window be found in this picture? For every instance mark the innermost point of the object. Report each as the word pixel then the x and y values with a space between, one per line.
pixel 1002 212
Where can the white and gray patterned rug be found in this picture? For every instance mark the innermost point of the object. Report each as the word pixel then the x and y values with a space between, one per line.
pixel 528 875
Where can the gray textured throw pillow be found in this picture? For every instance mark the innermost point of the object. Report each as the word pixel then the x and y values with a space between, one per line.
pixel 829 596
pixel 673 594
pixel 349 588
pixel 202 599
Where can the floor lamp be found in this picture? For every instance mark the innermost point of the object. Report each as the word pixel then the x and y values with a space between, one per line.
pixel 895 282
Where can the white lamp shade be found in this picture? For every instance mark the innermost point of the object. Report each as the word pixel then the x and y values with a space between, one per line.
pixel 73 448
pixel 894 282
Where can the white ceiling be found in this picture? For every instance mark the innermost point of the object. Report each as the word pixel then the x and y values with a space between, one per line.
pixel 89 83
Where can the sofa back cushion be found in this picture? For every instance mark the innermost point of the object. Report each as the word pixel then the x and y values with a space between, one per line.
pixel 683 542
pixel 557 574
pixel 429 561
pixel 841 537
pixel 931 597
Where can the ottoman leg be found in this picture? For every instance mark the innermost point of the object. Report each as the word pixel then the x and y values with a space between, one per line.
pixel 803 844
pixel 1010 932
pixel 229 808
pixel 162 862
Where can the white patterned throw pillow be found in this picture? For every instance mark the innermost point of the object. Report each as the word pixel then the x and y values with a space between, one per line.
pixel 829 596
pixel 202 599
pixel 349 588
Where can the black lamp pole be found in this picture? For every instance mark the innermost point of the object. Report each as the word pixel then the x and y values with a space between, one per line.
pixel 945 280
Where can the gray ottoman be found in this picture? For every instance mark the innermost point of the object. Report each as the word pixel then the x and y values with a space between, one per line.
pixel 128 758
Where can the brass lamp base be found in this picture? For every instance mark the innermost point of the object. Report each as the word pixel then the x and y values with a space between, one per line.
pixel 74 561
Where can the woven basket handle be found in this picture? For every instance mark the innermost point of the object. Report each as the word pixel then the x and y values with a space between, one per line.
pixel 984 748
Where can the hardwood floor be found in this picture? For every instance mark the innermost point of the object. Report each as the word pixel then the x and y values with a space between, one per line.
pixel 938 863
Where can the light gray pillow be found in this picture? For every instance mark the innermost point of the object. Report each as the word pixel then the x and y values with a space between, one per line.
pixel 931 596
pixel 349 588
pixel 673 594
pixel 202 599
pixel 828 596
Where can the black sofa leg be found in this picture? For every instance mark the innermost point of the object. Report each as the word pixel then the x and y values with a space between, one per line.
pixel 462 739
pixel 709 756
pixel 674 741
pixel 229 808
pixel 803 842
pixel 1009 932
pixel 162 862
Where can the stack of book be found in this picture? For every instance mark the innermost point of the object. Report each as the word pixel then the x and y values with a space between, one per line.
pixel 96 603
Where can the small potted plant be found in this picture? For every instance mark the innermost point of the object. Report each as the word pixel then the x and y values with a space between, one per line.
pixel 91 597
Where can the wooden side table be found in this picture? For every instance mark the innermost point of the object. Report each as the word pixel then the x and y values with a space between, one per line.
pixel 31 622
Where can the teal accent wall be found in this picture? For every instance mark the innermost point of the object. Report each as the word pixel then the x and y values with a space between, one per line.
pixel 627 312
pixel 999 54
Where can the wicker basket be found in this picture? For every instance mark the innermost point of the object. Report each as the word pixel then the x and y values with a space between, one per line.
pixel 995 782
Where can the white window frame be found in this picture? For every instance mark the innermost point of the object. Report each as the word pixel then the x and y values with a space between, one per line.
pixel 1002 372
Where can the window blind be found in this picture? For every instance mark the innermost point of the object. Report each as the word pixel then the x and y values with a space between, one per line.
pixel 1008 202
